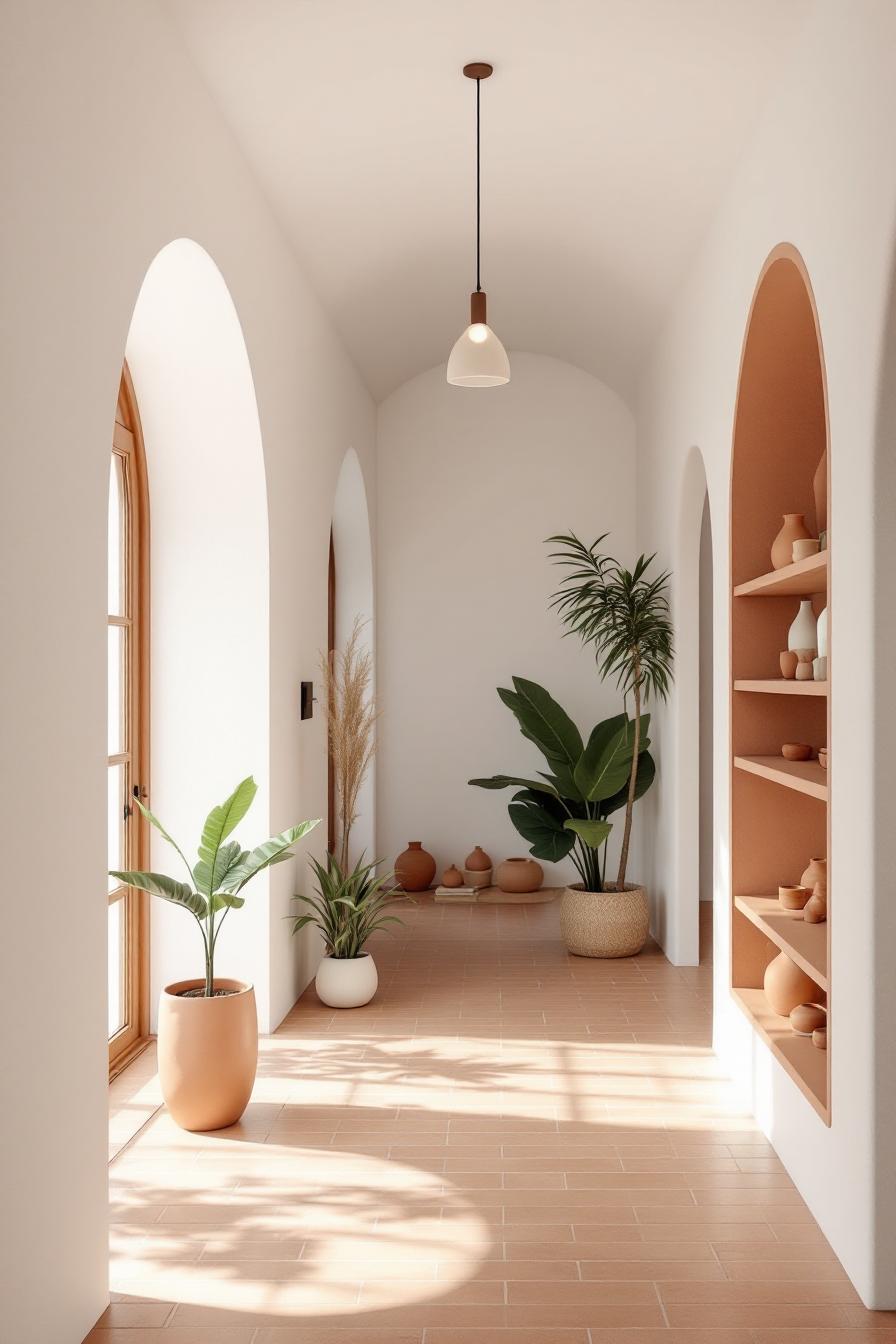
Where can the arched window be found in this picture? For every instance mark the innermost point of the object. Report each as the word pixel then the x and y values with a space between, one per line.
pixel 128 745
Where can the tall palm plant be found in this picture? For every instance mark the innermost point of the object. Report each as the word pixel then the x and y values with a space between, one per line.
pixel 624 615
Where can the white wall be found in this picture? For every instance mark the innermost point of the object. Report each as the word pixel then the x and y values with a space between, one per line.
pixel 821 175
pixel 470 483
pixel 126 155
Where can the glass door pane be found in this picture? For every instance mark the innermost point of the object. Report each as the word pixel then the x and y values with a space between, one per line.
pixel 118 1007
pixel 117 696
pixel 116 535
pixel 115 849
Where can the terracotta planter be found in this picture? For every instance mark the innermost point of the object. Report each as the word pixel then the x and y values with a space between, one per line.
pixel 415 868
pixel 346 982
pixel 208 1052
pixel 786 986
pixel 794 529
pixel 519 875
pixel 604 923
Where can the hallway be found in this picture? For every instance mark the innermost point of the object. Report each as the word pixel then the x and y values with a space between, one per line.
pixel 508 1144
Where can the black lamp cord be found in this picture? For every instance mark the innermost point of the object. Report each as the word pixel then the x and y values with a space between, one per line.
pixel 478 285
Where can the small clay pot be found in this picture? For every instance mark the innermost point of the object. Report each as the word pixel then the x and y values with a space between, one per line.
pixel 804 671
pixel 782 547
pixel 808 1017
pixel 786 985
pixel 478 861
pixel 815 872
pixel 803 547
pixel 452 877
pixel 816 909
pixel 796 751
pixel 478 877
pixel 519 875
pixel 823 757
pixel 820 1038
pixel 793 898
pixel 415 868
pixel 788 660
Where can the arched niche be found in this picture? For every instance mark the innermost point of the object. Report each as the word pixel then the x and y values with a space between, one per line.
pixel 780 817
pixel 209 564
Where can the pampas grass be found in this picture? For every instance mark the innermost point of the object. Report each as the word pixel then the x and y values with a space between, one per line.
pixel 351 727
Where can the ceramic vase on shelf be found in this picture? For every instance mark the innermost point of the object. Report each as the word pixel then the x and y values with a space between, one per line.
pixel 415 868
pixel 788 660
pixel 820 666
pixel 794 529
pixel 786 985
pixel 820 491
pixel 803 631
pixel 816 908
pixel 519 875
pixel 478 868
pixel 816 873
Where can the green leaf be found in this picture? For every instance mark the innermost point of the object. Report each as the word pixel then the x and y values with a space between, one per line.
pixel 545 833
pixel 228 857
pixel 218 825
pixel 153 819
pixel 511 781
pixel 543 721
pixel 594 833
pixel 158 884
pixel 606 762
pixel 272 851
pixel 646 776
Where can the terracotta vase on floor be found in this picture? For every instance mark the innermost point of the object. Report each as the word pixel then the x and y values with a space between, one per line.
pixel 415 868
pixel 786 986
pixel 794 529
pixel 519 875
pixel 208 1052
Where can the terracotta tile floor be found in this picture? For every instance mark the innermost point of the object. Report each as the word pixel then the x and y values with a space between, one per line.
pixel 508 1144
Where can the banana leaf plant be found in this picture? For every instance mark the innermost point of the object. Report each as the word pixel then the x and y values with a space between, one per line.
pixel 563 813
pixel 221 871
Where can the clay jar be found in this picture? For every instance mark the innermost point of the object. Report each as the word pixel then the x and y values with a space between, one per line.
pixel 788 660
pixel 793 898
pixel 817 871
pixel 808 1017
pixel 452 877
pixel 794 529
pixel 478 868
pixel 519 875
pixel 786 986
pixel 796 751
pixel 415 868
pixel 816 911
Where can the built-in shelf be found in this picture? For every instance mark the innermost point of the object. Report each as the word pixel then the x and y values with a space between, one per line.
pixel 805 578
pixel 803 776
pixel 807 1066
pixel 778 686
pixel 806 944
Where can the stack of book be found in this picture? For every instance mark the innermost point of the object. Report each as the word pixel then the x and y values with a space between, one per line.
pixel 456 895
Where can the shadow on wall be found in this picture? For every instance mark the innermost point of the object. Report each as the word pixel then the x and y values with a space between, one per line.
pixel 209 568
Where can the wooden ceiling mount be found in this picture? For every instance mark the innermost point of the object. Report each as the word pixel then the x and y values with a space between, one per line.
pixel 478 70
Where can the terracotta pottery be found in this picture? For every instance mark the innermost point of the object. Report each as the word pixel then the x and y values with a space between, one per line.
pixel 519 875
pixel 346 982
pixel 415 868
pixel 823 757
pixel 804 670
pixel 793 898
pixel 816 871
pixel 805 547
pixel 788 660
pixel 478 861
pixel 796 751
pixel 208 1052
pixel 794 529
pixel 604 923
pixel 803 631
pixel 820 491
pixel 820 1038
pixel 786 985
pixel 816 910
pixel 452 877
pixel 807 1017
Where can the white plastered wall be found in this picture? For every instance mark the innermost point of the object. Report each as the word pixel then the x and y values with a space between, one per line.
pixel 821 175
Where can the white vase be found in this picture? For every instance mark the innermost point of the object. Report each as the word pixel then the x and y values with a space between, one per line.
pixel 821 635
pixel 346 982
pixel 802 634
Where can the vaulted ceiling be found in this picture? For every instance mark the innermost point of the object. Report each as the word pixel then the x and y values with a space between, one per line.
pixel 611 129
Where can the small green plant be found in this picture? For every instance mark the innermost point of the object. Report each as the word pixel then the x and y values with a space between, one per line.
pixel 564 812
pixel 348 907
pixel 221 872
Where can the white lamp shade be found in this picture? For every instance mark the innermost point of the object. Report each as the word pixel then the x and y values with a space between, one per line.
pixel 478 359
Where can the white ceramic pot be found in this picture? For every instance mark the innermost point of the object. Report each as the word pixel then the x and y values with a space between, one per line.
pixel 821 633
pixel 346 982
pixel 802 634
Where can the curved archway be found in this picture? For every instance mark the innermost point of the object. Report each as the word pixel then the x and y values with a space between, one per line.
pixel 210 589
pixel 352 585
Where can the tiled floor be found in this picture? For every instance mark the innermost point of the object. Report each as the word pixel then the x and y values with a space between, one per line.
pixel 508 1144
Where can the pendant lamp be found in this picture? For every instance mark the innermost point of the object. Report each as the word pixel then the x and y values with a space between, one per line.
pixel 478 358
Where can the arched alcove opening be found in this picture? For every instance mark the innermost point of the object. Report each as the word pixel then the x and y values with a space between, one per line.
pixel 209 675
pixel 350 598
pixel 780 817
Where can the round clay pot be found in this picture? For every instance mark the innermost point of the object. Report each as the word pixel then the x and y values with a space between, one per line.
pixel 823 757
pixel 804 670
pixel 786 985
pixel 478 861
pixel 817 871
pixel 794 529
pixel 478 877
pixel 604 923
pixel 793 898
pixel 796 751
pixel 788 660
pixel 452 877
pixel 208 1052
pixel 519 875
pixel 807 1017
pixel 816 909
pixel 820 1038
pixel 415 868
pixel 346 982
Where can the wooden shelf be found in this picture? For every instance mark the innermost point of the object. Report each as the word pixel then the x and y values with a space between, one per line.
pixel 806 944
pixel 802 579
pixel 778 686
pixel 803 776
pixel 807 1066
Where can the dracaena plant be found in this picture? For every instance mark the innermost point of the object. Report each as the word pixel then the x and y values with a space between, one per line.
pixel 221 871
pixel 348 907
pixel 563 813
